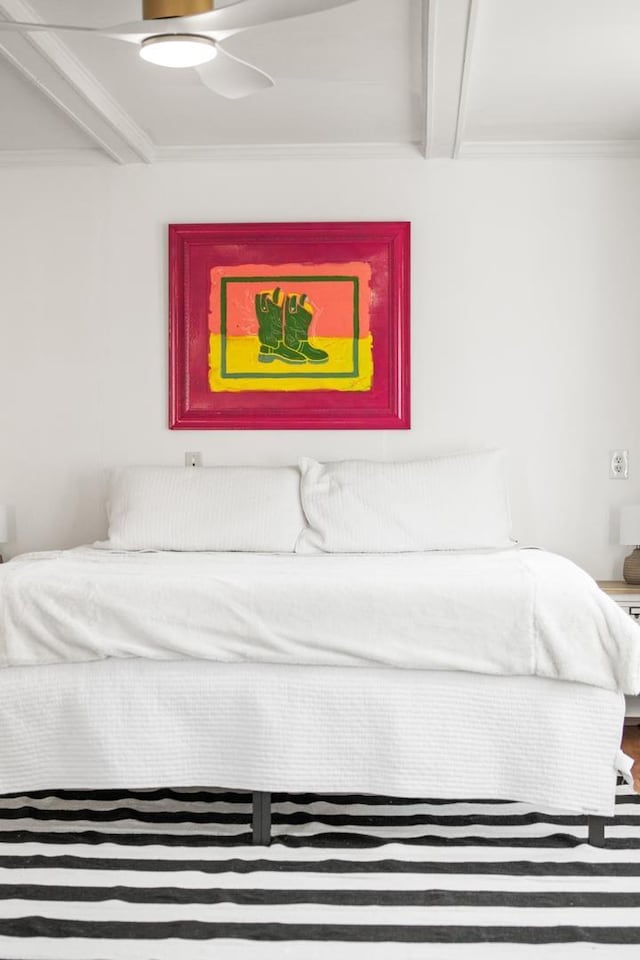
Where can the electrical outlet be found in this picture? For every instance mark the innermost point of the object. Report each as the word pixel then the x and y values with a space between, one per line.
pixel 193 459
pixel 619 465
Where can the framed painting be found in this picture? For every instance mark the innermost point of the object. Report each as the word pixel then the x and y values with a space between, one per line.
pixel 289 326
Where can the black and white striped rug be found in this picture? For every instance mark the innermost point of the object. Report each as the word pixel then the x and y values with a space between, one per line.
pixel 171 875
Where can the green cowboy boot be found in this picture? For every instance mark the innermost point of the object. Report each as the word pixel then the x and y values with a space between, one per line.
pixel 298 314
pixel 270 333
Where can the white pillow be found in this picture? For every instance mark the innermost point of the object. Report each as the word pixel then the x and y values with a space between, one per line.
pixel 447 503
pixel 254 509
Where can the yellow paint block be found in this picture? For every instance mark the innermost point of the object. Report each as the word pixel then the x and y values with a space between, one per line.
pixel 244 371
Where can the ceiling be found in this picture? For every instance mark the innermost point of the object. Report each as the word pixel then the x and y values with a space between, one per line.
pixel 374 78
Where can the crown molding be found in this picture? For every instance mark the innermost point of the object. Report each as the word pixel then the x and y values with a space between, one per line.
pixel 290 151
pixel 49 65
pixel 77 157
pixel 244 152
pixel 512 150
pixel 548 149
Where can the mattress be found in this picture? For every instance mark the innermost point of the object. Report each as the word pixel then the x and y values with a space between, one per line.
pixel 140 724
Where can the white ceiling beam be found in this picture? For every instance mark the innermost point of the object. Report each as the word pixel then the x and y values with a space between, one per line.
pixel 49 65
pixel 428 75
pixel 448 29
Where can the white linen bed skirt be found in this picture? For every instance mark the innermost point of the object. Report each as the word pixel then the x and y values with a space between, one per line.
pixel 141 724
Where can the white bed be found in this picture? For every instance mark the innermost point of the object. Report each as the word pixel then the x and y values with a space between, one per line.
pixel 496 675
pixel 388 638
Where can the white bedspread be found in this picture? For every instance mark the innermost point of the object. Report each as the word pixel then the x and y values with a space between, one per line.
pixel 409 733
pixel 511 612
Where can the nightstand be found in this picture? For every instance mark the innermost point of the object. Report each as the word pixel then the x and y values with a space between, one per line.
pixel 627 596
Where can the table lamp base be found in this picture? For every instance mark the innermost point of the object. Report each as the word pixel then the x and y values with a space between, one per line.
pixel 631 569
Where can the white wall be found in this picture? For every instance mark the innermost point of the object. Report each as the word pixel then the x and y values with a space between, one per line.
pixel 526 333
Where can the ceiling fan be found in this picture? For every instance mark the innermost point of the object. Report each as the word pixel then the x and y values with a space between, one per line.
pixel 188 33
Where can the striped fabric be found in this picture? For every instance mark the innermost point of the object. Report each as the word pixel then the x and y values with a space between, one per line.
pixel 171 874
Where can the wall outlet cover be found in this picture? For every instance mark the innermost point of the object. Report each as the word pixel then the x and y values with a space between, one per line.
pixel 619 464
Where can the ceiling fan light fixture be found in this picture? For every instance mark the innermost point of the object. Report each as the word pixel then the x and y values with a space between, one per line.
pixel 178 50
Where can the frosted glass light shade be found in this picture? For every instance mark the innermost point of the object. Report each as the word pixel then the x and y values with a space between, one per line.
pixel 178 51
pixel 630 525
pixel 4 524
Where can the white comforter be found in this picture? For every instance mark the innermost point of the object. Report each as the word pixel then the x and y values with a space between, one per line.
pixel 511 612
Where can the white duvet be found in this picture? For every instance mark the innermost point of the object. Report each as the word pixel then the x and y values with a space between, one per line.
pixel 511 612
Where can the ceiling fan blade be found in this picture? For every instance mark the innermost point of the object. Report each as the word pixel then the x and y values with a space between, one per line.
pixel 14 25
pixel 227 20
pixel 233 78
pixel 253 13
pixel 219 23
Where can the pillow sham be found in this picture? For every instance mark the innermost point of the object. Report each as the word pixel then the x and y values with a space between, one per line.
pixel 253 509
pixel 445 503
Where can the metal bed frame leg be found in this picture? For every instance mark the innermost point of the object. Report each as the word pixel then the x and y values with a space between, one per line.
pixel 261 818
pixel 261 823
pixel 596 827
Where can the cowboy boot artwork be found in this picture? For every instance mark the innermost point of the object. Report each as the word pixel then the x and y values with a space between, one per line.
pixel 298 314
pixel 269 311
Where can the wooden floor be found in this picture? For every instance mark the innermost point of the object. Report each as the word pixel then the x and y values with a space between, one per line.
pixel 631 746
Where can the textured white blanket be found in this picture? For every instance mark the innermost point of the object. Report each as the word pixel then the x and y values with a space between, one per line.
pixel 511 612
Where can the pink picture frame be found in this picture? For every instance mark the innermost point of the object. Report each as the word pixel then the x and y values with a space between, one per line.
pixel 289 326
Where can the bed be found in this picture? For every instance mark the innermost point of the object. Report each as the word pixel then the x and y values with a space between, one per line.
pixel 159 658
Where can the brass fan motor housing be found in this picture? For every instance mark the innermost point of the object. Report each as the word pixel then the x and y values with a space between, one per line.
pixel 159 9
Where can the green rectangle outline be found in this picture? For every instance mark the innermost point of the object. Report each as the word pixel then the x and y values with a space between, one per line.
pixel 225 375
